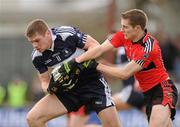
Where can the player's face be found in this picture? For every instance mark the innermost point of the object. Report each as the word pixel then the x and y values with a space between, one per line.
pixel 41 42
pixel 128 30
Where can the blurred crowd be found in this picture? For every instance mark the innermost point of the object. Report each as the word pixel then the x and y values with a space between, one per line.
pixel 18 94
pixel 170 47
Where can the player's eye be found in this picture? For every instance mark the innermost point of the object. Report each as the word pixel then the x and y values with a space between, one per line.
pixel 37 40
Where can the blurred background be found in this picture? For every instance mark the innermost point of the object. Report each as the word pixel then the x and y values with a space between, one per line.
pixel 19 85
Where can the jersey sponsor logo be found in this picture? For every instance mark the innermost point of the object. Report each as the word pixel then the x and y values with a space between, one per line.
pixel 146 55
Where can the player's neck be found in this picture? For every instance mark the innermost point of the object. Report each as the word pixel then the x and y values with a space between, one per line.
pixel 139 36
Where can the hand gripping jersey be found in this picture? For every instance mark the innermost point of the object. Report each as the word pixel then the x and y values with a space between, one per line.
pixel 147 53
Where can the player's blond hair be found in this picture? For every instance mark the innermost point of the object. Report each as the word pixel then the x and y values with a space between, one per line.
pixel 37 26
pixel 136 17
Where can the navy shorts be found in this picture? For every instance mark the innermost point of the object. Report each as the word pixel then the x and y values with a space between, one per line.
pixel 164 93
pixel 94 94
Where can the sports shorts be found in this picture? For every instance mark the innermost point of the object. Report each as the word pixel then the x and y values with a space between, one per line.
pixel 94 94
pixel 164 93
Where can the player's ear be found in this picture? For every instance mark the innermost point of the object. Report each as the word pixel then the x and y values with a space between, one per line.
pixel 48 33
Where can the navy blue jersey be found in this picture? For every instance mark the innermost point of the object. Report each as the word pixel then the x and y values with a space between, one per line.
pixel 68 43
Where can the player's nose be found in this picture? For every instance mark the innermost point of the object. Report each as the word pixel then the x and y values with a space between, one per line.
pixel 35 45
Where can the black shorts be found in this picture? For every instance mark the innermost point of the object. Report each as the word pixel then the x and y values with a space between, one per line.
pixel 94 94
pixel 164 93
pixel 132 97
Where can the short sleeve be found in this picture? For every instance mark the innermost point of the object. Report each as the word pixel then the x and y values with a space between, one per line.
pixel 71 35
pixel 142 58
pixel 39 65
pixel 117 39
pixel 81 38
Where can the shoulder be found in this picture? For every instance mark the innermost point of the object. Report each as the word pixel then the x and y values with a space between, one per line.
pixel 117 36
pixel 64 29
pixel 35 54
pixel 149 43
pixel 117 39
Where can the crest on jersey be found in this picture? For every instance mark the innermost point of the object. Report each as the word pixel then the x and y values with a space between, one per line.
pixel 146 55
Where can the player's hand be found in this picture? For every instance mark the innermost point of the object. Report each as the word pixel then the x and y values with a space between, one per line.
pixel 53 86
pixel 63 79
pixel 67 67
pixel 72 64
pixel 71 67
pixel 90 64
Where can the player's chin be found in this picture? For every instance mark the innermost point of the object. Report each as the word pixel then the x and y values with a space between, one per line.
pixel 41 50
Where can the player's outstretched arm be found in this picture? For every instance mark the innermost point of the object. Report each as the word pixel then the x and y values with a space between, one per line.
pixel 94 52
pixel 120 72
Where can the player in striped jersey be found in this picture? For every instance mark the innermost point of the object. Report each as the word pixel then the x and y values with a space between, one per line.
pixel 145 62
pixel 53 47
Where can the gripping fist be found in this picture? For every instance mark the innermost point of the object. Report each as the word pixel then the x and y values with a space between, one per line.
pixel 65 77
pixel 90 64
pixel 72 64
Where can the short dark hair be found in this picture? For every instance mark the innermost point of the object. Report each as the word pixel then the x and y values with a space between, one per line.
pixel 36 26
pixel 136 17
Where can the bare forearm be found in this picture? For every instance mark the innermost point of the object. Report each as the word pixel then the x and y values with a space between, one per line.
pixel 95 52
pixel 90 54
pixel 113 71
pixel 123 72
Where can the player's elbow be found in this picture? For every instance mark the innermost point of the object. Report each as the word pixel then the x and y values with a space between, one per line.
pixel 92 40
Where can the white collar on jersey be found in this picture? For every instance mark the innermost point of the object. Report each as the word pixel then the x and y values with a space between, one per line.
pixel 53 38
